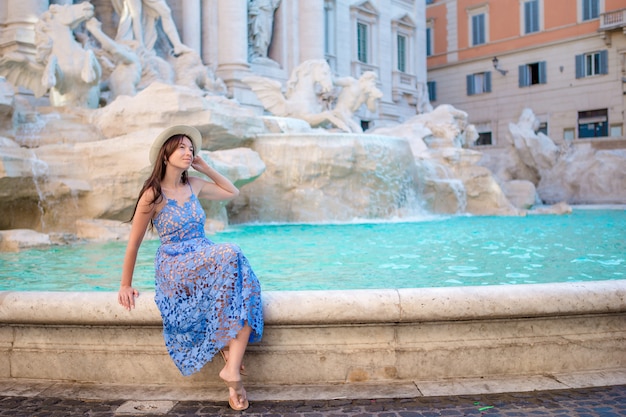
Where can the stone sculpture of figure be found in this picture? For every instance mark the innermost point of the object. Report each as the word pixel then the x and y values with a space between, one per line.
pixel 353 94
pixel 308 82
pixel 260 27
pixel 308 87
pixel 138 20
pixel 121 59
pixel 61 65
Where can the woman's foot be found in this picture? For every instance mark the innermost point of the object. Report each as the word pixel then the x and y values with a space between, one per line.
pixel 237 397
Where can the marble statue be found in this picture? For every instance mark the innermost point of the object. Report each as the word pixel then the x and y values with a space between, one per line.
pixel 260 27
pixel 191 72
pixel 121 65
pixel 138 20
pixel 307 84
pixel 303 100
pixel 353 94
pixel 62 66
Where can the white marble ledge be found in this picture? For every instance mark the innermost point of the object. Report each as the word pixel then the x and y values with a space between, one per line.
pixel 337 307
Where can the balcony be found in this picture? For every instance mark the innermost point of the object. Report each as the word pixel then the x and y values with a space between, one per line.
pixel 612 20
pixel 404 85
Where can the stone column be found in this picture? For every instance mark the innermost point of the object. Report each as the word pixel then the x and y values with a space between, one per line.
pixel 192 24
pixel 19 18
pixel 311 29
pixel 232 52
pixel 210 33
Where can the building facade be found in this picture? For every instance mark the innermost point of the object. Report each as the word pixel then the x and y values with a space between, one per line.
pixel 564 59
pixel 384 36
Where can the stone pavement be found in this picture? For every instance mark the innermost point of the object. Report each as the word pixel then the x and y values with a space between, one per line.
pixel 609 401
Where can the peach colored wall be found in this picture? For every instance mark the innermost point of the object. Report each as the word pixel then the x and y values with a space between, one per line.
pixel 503 19
pixel 560 22
pixel 559 13
pixel 439 13
pixel 610 5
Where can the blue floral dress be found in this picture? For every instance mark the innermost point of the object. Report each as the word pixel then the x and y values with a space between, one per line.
pixel 205 291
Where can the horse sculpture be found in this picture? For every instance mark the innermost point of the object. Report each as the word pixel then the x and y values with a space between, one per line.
pixel 311 84
pixel 308 83
pixel 61 65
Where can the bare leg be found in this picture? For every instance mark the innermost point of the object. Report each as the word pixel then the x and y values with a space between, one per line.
pixel 231 371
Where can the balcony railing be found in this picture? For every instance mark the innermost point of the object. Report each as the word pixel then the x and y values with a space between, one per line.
pixel 613 20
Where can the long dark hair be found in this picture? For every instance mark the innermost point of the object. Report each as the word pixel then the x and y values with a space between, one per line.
pixel 158 172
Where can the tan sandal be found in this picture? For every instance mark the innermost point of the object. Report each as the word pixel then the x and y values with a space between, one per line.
pixel 238 387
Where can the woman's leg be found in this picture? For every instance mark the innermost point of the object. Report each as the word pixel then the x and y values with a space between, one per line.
pixel 231 371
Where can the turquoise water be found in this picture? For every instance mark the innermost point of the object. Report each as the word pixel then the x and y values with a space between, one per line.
pixel 440 252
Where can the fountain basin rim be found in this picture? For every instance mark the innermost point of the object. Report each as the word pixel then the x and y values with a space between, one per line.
pixel 406 305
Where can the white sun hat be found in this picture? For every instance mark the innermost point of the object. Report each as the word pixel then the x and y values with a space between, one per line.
pixel 191 132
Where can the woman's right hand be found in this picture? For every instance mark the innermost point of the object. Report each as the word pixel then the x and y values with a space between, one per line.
pixel 126 297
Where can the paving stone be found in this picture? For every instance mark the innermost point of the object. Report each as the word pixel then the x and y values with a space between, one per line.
pixel 593 402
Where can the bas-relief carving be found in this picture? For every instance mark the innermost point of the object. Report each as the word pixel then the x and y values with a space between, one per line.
pixel 311 96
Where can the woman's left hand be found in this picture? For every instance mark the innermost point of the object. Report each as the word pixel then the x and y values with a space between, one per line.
pixel 199 164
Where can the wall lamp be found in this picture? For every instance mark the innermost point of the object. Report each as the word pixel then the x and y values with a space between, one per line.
pixel 496 66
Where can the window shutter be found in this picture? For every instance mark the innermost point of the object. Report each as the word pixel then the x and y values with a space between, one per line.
pixel 527 17
pixel 604 62
pixel 523 76
pixel 543 76
pixel 580 66
pixel 470 85
pixel 488 82
pixel 595 10
pixel 432 90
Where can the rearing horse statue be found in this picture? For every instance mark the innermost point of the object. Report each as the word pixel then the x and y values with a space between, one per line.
pixel 308 82
pixel 61 66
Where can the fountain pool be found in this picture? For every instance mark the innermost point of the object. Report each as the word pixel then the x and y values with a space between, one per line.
pixel 586 245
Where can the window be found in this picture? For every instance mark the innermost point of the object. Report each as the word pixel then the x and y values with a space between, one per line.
pixel 594 63
pixel 478 29
pixel 401 53
pixel 429 39
pixel 479 83
pixel 568 134
pixel 484 138
pixel 362 41
pixel 531 74
pixel 593 123
pixel 430 1
pixel 531 16
pixel 432 90
pixel 616 131
pixel 543 128
pixel 591 9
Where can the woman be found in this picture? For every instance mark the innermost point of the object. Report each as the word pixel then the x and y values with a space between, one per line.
pixel 209 297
